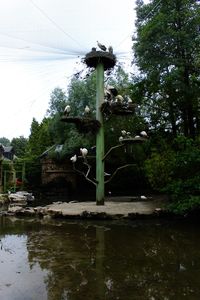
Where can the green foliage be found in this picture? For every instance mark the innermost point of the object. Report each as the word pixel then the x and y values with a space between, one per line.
pixel 175 171
pixel 19 145
pixel 166 50
pixel 159 169
pixel 57 102
pixel 82 92
pixel 4 141
pixel 185 205
pixel 76 141
pixel 33 173
pixel 39 139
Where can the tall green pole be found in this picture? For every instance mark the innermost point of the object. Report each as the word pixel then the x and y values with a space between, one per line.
pixel 100 193
pixel 101 61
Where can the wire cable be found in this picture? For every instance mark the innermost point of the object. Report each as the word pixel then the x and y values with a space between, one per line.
pixel 55 24
pixel 145 17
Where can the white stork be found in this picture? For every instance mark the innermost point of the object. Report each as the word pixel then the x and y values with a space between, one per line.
pixel 84 152
pixel 73 158
pixel 143 134
pixel 87 109
pixel 67 110
pixel 102 47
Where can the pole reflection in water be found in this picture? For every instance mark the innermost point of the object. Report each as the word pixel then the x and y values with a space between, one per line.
pixel 100 261
pixel 58 260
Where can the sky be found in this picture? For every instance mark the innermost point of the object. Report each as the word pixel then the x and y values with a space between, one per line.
pixel 42 43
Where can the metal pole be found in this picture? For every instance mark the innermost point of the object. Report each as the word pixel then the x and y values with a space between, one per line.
pixel 100 193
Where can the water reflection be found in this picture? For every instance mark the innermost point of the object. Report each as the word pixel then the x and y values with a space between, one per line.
pixel 85 260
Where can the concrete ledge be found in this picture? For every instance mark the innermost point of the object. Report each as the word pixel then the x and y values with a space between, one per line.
pixel 89 210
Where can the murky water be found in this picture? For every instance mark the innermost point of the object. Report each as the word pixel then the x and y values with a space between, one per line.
pixel 59 260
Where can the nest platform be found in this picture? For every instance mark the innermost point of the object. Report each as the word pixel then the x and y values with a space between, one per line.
pixel 135 140
pixel 93 58
pixel 83 125
pixel 117 108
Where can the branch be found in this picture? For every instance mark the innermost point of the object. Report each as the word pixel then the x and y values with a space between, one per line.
pixel 120 168
pixel 87 173
pixel 112 148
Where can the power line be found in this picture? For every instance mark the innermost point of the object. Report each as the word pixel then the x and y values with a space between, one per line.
pixel 145 17
pixel 58 50
pixel 55 24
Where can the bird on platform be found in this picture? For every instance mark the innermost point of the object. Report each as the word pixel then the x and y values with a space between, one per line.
pixel 143 134
pixel 67 110
pixel 102 47
pixel 110 49
pixel 87 109
pixel 121 139
pixel 129 100
pixel 123 132
pixel 107 95
pixel 112 90
pixel 119 99
pixel 84 152
pixel 73 158
pixel 143 197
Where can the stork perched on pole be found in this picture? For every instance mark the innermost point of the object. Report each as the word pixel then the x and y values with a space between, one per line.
pixel 102 47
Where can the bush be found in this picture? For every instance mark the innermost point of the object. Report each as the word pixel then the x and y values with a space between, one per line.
pixel 175 171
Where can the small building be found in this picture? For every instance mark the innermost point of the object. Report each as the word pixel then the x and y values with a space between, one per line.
pixel 57 175
pixel 7 176
pixel 8 152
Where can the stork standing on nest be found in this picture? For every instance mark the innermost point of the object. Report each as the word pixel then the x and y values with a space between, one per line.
pixel 144 134
pixel 73 158
pixel 67 110
pixel 102 47
pixel 87 110
pixel 84 152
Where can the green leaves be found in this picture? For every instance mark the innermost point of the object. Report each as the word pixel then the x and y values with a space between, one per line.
pixel 167 54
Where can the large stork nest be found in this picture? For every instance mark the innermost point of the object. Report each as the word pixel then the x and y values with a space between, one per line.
pixel 117 108
pixel 83 125
pixel 93 58
pixel 133 140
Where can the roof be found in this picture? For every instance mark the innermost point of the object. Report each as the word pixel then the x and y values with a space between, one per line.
pixel 8 149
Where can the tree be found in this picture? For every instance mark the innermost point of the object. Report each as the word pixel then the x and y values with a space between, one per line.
pixel 166 50
pixel 39 139
pixel 19 145
pixel 57 102
pixel 82 92
pixel 4 141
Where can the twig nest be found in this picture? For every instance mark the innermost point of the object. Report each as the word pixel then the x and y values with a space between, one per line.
pixel 131 140
pixel 83 125
pixel 93 58
pixel 117 108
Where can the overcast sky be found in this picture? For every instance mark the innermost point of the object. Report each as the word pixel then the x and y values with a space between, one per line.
pixel 41 46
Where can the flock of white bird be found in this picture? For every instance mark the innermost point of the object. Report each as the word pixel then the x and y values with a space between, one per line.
pixel 111 96
pixel 127 135
pixel 83 152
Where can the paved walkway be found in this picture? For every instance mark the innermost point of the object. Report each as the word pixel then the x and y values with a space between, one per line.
pixel 123 207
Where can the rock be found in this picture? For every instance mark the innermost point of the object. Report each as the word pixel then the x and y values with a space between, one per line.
pixel 29 196
pixel 15 209
pixel 20 198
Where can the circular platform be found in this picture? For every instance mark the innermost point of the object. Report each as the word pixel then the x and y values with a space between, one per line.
pixel 93 58
pixel 83 125
pixel 133 140
pixel 118 108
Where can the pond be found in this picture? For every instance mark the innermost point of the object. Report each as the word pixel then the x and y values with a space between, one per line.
pixel 67 260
